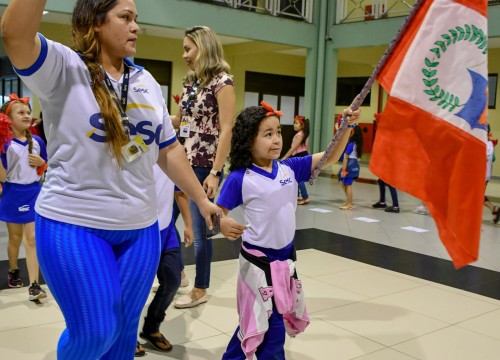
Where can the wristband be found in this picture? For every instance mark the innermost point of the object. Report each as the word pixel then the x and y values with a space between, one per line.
pixel 216 173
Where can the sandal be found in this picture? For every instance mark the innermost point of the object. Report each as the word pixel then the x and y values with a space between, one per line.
pixel 496 214
pixel 347 207
pixel 303 201
pixel 156 341
pixel 139 351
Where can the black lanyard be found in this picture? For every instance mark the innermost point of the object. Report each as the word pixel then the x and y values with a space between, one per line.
pixel 192 97
pixel 122 102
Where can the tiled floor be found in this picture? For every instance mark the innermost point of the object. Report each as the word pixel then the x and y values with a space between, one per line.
pixel 358 310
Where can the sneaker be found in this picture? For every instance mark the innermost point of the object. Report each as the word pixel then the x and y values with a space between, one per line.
pixel 379 205
pixel 422 210
pixel 15 279
pixel 36 292
pixel 392 209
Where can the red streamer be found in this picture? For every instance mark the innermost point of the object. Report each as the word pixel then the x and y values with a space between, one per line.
pixel 6 134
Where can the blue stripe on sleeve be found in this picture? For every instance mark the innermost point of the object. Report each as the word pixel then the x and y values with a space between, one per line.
pixel 43 147
pixel 168 142
pixel 38 63
pixel 3 157
pixel 231 193
pixel 349 148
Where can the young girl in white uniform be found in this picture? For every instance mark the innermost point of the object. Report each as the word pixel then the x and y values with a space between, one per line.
pixel 267 191
pixel 18 169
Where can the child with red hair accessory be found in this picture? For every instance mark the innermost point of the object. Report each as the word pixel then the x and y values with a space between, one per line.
pixel 21 157
pixel 299 148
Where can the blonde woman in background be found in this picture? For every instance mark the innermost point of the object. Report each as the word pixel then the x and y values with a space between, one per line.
pixel 205 121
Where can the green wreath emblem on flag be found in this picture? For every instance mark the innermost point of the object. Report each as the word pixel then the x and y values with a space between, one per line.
pixel 446 99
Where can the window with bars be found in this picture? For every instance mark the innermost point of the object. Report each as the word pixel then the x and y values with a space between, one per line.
pixel 10 82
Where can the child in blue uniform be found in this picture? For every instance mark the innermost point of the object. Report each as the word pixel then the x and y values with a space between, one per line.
pixel 267 190
pixel 18 170
pixel 350 166
pixel 170 266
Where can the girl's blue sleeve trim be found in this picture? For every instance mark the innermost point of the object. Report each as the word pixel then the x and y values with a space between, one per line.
pixel 43 147
pixel 3 157
pixel 349 148
pixel 231 195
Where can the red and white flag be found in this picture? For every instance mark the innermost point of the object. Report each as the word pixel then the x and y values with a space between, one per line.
pixel 431 139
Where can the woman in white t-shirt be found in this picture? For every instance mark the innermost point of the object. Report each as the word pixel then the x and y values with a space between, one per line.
pixel 96 216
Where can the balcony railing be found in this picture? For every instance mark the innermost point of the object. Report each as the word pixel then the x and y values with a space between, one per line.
pixel 363 10
pixel 347 10
pixel 301 10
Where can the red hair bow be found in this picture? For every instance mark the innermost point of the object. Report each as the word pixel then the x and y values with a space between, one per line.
pixel 270 110
pixel 13 98
pixel 299 119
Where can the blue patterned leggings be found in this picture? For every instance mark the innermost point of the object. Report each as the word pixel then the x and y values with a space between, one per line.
pixel 101 280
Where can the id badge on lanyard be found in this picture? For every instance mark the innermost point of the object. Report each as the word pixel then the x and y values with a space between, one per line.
pixel 136 146
pixel 134 149
pixel 184 128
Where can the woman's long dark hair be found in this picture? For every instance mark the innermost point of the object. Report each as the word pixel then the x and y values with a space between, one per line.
pixel 246 128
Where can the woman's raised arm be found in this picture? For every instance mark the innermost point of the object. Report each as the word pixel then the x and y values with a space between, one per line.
pixel 20 23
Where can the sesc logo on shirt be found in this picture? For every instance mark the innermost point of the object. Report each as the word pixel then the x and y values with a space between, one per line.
pixel 141 89
pixel 144 128
pixel 285 181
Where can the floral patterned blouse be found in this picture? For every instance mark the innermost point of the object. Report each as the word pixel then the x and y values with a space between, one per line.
pixel 202 113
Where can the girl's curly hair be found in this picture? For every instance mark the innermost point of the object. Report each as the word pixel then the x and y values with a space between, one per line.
pixel 246 128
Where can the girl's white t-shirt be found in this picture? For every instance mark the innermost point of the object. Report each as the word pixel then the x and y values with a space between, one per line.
pixel 269 200
pixel 16 160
